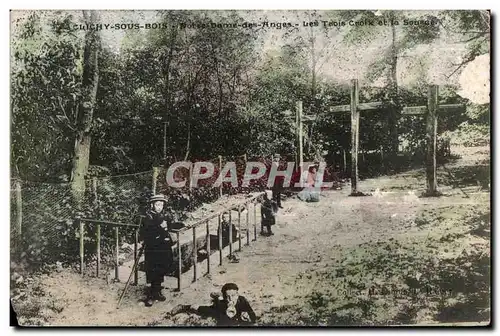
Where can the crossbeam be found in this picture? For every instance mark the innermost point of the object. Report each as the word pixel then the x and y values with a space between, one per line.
pixel 416 110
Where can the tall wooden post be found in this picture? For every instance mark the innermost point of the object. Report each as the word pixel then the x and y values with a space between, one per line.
pixel 297 137
pixel 194 255
pixel 431 130
pixel 155 177
pixel 179 261
pixel 255 221
pixel 219 238
pixel 117 247
pixel 248 223
pixel 208 247
pixel 165 142
pixel 345 161
pixel 82 245
pixel 220 171
pixel 98 249
pixel 19 208
pixel 354 135
pixel 136 251
pixel 230 233
pixel 301 149
pixel 239 228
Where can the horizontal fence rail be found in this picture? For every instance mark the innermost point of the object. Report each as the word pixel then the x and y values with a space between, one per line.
pixel 116 225
pixel 239 207
pixel 245 205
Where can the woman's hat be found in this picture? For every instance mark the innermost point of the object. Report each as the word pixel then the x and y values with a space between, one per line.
pixel 159 197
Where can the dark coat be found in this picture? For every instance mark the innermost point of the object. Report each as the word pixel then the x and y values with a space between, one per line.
pixel 218 311
pixel 158 253
pixel 268 212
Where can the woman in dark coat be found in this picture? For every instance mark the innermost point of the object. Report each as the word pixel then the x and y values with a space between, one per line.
pixel 158 253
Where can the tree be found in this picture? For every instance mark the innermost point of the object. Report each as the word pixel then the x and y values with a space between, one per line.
pixel 90 81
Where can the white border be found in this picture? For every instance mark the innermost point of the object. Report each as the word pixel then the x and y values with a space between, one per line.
pixel 186 4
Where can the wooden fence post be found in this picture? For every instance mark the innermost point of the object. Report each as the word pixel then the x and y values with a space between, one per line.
pixel 219 237
pixel 155 177
pixel 255 221
pixel 230 233
pixel 19 208
pixel 82 245
pixel 136 251
pixel 239 228
pixel 355 135
pixel 117 246
pixel 344 168
pixel 194 255
pixel 220 171
pixel 98 248
pixel 301 150
pixel 248 222
pixel 179 261
pixel 431 128
pixel 208 247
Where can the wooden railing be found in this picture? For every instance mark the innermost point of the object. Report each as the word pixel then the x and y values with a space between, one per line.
pixel 81 223
pixel 205 221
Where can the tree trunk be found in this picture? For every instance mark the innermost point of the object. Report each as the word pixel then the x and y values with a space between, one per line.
pixel 90 80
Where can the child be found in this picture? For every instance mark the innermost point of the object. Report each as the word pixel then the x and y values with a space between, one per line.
pixel 268 211
pixel 231 309
pixel 158 244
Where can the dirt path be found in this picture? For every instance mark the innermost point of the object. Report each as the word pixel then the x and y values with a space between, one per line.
pixel 308 236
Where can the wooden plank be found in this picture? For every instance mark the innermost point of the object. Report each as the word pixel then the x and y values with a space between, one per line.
pixel 448 107
pixel 96 221
pixel 417 110
pixel 431 134
pixel 354 135
pixel 362 107
pixel 414 110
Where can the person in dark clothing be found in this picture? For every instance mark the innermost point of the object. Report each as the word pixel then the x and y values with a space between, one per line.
pixel 268 210
pixel 158 244
pixel 277 187
pixel 225 224
pixel 231 309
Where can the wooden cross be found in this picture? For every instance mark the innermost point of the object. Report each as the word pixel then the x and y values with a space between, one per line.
pixel 431 112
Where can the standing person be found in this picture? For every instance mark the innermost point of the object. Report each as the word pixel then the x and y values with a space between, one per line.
pixel 231 309
pixel 268 210
pixel 277 187
pixel 225 224
pixel 158 244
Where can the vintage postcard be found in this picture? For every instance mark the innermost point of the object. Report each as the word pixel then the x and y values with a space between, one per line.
pixel 250 168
